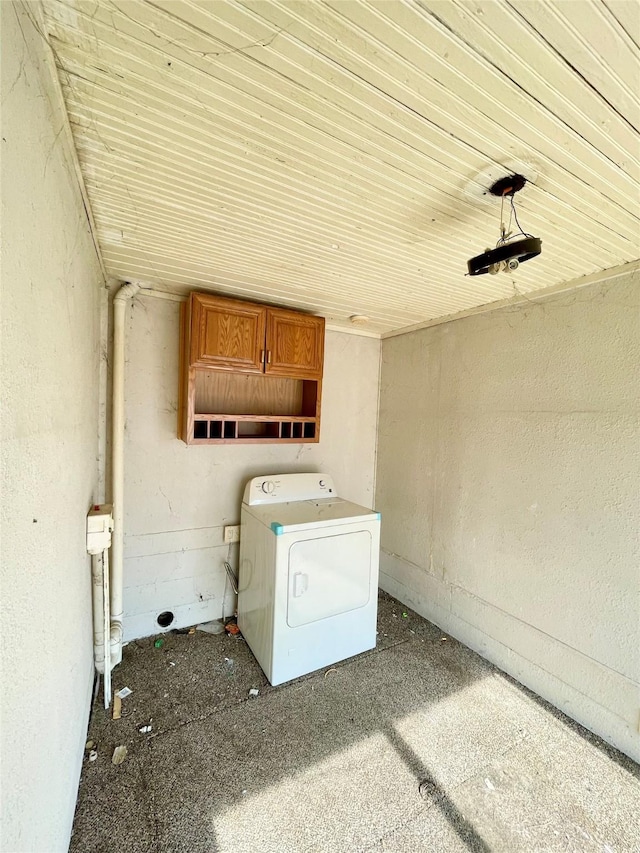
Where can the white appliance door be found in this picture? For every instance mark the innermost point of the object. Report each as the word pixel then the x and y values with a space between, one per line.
pixel 327 576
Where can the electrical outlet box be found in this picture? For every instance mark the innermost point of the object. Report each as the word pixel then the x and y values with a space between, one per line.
pixel 99 527
pixel 232 533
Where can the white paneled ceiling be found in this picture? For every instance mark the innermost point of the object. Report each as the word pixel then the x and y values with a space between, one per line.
pixel 334 156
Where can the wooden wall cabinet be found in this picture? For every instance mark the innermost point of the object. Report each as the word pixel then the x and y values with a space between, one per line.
pixel 248 373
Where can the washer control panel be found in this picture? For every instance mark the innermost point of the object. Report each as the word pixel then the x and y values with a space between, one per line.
pixel 288 487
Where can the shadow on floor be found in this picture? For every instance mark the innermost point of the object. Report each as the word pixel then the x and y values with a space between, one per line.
pixel 420 744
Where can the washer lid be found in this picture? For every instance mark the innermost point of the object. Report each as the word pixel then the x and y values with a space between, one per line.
pixel 305 515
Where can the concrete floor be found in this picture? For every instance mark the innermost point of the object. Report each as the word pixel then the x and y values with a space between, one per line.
pixel 420 745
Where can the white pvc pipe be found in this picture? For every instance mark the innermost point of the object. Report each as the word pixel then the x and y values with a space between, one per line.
pixel 106 616
pixel 98 612
pixel 120 303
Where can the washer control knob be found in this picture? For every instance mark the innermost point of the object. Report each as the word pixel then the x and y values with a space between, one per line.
pixel 268 486
pixel 321 484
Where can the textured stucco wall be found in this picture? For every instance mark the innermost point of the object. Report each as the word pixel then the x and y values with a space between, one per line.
pixel 508 476
pixel 49 338
pixel 178 498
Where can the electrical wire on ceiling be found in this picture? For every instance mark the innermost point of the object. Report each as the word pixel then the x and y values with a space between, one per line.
pixel 512 247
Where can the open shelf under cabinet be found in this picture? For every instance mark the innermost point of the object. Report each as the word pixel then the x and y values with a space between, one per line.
pixel 232 429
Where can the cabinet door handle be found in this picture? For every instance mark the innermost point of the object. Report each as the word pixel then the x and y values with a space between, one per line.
pixel 262 355
pixel 268 356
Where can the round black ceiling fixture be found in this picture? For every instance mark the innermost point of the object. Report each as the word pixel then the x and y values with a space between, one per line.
pixel 511 254
pixel 512 249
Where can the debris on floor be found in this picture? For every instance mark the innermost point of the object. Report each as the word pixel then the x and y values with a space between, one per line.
pixel 145 729
pixel 254 692
pixel 93 755
pixel 427 789
pixel 117 701
pixel 232 628
pixel 213 627
pixel 159 643
pixel 119 755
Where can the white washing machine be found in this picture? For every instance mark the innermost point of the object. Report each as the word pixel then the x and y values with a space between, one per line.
pixel 308 580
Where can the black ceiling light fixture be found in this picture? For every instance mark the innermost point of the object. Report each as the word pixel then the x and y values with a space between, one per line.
pixel 512 248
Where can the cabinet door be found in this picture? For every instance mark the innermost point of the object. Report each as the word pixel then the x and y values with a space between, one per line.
pixel 227 334
pixel 295 344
